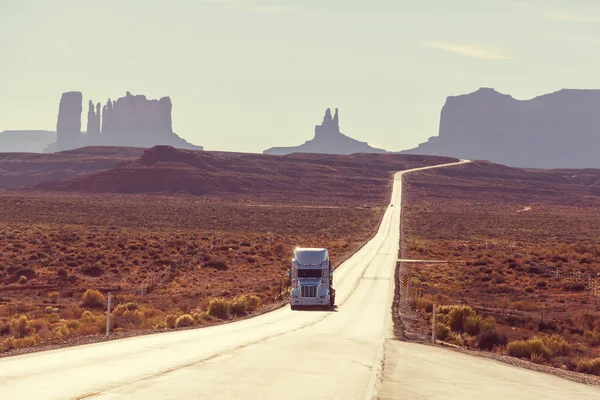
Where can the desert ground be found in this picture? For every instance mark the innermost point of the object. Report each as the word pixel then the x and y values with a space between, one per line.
pixel 523 260
pixel 179 238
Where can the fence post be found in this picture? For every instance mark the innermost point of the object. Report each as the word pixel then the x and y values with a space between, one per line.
pixel 108 316
pixel 433 325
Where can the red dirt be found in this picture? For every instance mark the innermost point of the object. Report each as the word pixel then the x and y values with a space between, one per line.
pixel 469 213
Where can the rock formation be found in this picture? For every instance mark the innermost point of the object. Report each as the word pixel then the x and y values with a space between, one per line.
pixel 68 126
pixel 329 140
pixel 132 121
pixel 93 124
pixel 557 130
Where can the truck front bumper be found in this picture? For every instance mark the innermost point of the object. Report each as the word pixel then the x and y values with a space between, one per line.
pixel 309 302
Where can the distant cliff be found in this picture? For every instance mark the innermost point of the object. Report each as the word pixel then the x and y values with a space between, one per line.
pixel 557 130
pixel 132 121
pixel 328 140
pixel 25 141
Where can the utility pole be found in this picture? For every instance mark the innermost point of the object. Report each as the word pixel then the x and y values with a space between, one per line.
pixel 108 316
pixel 433 325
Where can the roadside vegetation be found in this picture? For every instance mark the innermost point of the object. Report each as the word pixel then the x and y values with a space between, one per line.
pixel 523 257
pixel 192 239
pixel 57 264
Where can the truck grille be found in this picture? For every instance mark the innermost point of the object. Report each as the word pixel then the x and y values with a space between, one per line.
pixel 309 291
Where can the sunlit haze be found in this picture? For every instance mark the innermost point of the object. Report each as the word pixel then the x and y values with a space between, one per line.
pixel 245 75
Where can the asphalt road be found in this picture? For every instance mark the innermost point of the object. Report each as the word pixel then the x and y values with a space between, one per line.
pixel 285 354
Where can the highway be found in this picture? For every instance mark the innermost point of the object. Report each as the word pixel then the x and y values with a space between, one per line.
pixel 286 354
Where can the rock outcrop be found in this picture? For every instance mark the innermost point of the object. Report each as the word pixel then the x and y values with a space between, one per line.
pixel 68 125
pixel 328 140
pixel 557 130
pixel 132 121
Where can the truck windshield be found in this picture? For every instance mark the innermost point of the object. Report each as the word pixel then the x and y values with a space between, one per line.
pixel 309 273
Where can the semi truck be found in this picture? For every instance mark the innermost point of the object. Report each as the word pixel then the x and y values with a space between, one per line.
pixel 312 278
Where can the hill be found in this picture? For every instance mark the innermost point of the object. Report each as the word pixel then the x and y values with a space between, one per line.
pixel 21 169
pixel 163 169
pixel 556 130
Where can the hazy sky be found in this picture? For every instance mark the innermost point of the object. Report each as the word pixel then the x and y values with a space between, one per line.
pixel 245 75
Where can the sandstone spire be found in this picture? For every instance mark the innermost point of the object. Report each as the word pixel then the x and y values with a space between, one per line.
pixel 93 123
pixel 336 121
pixel 68 125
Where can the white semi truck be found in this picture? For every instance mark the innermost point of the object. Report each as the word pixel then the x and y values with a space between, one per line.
pixel 312 278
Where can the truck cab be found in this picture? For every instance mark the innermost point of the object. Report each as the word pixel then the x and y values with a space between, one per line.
pixel 312 278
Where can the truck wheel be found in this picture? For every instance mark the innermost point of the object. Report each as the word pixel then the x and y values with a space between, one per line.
pixel 293 307
pixel 332 301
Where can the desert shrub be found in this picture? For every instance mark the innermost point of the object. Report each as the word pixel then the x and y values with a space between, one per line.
pixel 123 308
pixel 62 332
pixel 184 320
pixel 62 273
pixel 27 272
pixel 546 347
pixel 251 302
pixel 72 324
pixel 132 317
pixel 574 287
pixel 219 308
pixel 23 280
pixel 161 325
pixel 21 343
pixel 534 269
pixel 87 317
pixel 4 327
pixel 238 306
pixel 455 338
pixel 220 265
pixel 52 317
pixel 94 270
pixel 490 338
pixel 71 312
pixel 441 331
pixel 590 321
pixel 93 298
pixel 526 348
pixel 171 320
pixel 542 284
pixel 589 366
pixel 19 327
pixel 39 324
pixel 457 317
pixel 471 325
pixel 487 324
pixel 53 296
pixel 202 317
pixel 557 345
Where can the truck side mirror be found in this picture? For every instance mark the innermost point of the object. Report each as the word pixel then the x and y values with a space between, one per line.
pixel 287 273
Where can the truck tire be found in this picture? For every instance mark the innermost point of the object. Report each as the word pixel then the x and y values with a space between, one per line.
pixel 293 307
pixel 332 301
